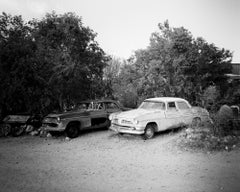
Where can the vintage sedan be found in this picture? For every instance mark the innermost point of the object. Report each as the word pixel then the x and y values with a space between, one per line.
pixel 86 115
pixel 157 114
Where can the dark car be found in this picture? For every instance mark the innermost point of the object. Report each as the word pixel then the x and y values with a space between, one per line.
pixel 85 115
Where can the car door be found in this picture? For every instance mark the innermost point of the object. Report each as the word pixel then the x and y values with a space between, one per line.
pixel 185 112
pixel 173 116
pixel 98 116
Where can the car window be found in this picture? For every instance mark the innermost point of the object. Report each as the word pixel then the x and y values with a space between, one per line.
pixel 82 106
pixel 152 105
pixel 171 106
pixel 111 105
pixel 182 105
pixel 99 106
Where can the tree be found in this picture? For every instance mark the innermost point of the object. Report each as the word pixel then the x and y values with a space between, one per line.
pixel 19 84
pixel 48 62
pixel 75 59
pixel 177 64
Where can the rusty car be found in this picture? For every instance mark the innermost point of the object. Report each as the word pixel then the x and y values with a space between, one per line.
pixel 91 114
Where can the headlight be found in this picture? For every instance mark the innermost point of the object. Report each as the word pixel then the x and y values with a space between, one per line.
pixel 58 119
pixel 110 117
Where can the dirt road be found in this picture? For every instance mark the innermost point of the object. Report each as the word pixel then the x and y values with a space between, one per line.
pixel 103 161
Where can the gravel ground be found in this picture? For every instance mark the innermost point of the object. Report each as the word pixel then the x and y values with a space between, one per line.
pixel 103 161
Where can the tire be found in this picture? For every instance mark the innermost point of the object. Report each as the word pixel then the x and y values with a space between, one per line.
pixel 149 132
pixel 196 122
pixel 72 130
pixel 17 130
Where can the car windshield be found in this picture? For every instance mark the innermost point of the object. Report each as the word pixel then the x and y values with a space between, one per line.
pixel 152 105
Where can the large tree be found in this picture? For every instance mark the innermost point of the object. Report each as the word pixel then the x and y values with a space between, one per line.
pixel 52 61
pixel 177 64
pixel 76 61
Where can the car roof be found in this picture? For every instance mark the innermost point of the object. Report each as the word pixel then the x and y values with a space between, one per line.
pixel 165 99
pixel 98 100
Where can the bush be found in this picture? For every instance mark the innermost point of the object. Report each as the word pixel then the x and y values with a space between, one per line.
pixel 129 99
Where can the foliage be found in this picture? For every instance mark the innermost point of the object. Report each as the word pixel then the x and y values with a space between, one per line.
pixel 17 67
pixel 176 64
pixel 47 63
pixel 53 62
pixel 210 97
pixel 111 76
pixel 205 140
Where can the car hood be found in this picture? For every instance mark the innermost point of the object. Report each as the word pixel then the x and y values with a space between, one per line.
pixel 132 114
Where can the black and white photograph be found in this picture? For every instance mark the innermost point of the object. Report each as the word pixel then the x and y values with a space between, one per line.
pixel 119 96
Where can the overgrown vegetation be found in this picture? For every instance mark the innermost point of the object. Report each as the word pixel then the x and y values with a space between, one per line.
pixel 222 133
pixel 205 139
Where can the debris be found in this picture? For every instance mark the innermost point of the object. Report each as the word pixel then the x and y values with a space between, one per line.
pixel 49 135
pixel 42 132
pixel 29 129
pixel 67 138
pixel 34 133
pixel 5 129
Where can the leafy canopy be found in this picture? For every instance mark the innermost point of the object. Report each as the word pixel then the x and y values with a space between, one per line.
pixel 48 63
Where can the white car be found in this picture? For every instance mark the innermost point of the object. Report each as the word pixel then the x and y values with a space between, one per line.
pixel 157 114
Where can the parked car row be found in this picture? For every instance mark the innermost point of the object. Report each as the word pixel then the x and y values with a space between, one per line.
pixel 153 115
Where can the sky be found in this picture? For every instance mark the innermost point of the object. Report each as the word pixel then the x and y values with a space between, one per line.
pixel 124 26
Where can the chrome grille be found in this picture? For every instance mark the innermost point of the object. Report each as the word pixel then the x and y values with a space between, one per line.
pixel 124 121
pixel 115 121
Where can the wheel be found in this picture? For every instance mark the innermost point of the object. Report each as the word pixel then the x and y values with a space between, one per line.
pixel 72 131
pixel 17 130
pixel 149 132
pixel 196 122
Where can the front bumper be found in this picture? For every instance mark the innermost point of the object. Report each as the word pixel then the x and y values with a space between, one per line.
pixel 125 129
pixel 59 127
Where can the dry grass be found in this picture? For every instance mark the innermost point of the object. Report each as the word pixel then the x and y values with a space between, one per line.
pixel 209 137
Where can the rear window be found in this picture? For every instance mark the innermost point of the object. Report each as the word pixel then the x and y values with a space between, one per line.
pixel 182 105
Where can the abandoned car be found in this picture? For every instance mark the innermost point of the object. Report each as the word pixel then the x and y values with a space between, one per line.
pixel 86 115
pixel 17 124
pixel 157 114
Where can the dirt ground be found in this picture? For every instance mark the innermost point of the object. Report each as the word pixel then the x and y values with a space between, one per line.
pixel 103 161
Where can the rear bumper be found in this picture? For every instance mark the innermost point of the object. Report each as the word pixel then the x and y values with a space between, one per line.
pixel 123 129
